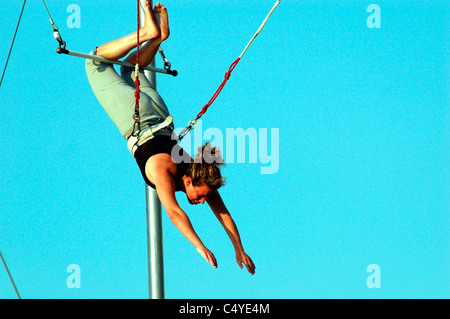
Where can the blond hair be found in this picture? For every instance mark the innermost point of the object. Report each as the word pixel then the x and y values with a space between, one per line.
pixel 205 168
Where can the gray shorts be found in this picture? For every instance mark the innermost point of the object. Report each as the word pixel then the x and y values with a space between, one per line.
pixel 116 95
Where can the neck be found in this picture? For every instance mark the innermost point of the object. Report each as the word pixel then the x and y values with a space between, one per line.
pixel 181 185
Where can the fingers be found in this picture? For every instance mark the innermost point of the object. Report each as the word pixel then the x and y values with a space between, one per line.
pixel 250 267
pixel 248 262
pixel 209 256
pixel 211 259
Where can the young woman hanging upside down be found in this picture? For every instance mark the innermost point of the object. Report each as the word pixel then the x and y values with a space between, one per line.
pixel 200 179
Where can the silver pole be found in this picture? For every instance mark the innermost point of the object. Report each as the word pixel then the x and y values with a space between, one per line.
pixel 154 220
pixel 155 244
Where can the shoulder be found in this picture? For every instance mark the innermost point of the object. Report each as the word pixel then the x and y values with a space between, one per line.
pixel 160 165
pixel 163 165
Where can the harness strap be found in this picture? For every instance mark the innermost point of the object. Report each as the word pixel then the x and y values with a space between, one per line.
pixel 216 94
pixel 192 124
pixel 146 134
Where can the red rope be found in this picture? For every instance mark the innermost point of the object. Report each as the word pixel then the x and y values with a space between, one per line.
pixel 227 76
pixel 136 82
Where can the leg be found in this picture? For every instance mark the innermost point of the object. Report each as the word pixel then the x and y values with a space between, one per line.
pixel 114 94
pixel 146 55
pixel 117 49
pixel 148 51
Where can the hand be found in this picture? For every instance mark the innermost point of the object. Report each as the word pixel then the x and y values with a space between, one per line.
pixel 244 258
pixel 209 256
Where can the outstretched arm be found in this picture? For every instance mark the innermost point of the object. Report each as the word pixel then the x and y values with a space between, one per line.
pixel 165 187
pixel 219 209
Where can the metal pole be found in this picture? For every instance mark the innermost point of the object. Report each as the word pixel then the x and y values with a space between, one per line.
pixel 154 220
pixel 155 244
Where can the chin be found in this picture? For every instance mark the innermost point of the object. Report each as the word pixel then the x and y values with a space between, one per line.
pixel 191 202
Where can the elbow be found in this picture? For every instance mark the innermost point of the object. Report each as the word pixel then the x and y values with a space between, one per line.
pixel 174 215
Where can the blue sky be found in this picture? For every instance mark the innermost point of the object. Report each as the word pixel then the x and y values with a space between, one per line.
pixel 362 115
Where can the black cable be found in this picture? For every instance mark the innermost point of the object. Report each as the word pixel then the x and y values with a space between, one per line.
pixel 14 38
pixel 9 275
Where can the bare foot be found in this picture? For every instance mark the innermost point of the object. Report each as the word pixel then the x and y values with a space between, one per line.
pixel 150 28
pixel 162 20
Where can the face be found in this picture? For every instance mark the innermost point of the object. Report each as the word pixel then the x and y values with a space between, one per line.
pixel 196 194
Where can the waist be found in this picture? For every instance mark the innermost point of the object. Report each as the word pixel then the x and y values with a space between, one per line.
pixel 148 132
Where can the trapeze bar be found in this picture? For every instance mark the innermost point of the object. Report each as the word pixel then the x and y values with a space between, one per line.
pixel 101 59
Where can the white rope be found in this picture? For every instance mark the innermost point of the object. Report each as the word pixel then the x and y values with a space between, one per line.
pixel 260 28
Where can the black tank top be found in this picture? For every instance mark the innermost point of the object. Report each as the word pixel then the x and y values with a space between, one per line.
pixel 161 144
